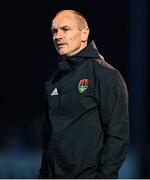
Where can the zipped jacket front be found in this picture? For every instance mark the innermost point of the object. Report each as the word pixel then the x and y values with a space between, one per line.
pixel 86 125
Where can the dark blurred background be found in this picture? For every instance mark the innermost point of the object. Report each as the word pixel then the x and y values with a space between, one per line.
pixel 120 30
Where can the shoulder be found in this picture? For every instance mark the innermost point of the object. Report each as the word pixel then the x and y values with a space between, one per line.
pixel 106 73
pixel 102 66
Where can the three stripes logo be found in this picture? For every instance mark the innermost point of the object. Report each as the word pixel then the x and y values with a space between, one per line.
pixel 54 92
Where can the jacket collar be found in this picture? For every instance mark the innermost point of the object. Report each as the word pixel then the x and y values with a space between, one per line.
pixel 89 52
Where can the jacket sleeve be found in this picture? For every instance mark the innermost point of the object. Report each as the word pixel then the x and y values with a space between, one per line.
pixel 112 95
pixel 46 132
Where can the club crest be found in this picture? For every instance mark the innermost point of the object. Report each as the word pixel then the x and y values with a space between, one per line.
pixel 83 85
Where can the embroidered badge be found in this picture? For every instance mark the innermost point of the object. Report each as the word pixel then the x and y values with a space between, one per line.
pixel 83 85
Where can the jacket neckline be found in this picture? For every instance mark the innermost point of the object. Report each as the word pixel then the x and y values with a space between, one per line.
pixel 89 52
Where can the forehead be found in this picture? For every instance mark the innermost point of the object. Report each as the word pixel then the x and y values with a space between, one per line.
pixel 65 19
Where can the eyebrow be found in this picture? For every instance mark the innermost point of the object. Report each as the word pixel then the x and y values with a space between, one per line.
pixel 61 27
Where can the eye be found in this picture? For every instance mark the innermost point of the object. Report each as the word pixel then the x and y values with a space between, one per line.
pixel 54 31
pixel 65 29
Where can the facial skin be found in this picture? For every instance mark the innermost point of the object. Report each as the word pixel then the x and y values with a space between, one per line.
pixel 68 36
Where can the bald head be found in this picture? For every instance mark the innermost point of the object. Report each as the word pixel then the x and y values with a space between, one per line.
pixel 82 23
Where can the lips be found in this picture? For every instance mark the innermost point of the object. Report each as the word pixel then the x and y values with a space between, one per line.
pixel 59 45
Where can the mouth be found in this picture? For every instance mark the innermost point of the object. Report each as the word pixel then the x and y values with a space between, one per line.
pixel 60 45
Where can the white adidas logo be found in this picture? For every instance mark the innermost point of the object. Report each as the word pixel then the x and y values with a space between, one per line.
pixel 54 92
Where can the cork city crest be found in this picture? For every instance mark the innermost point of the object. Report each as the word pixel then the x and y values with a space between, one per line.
pixel 83 85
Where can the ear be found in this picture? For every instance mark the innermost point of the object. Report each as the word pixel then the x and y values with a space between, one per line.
pixel 84 34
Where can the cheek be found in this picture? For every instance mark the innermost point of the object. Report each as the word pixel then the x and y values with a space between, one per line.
pixel 75 40
pixel 75 37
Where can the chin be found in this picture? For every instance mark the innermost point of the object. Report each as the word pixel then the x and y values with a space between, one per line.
pixel 62 53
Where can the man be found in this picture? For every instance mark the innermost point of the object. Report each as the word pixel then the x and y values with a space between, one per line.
pixel 85 131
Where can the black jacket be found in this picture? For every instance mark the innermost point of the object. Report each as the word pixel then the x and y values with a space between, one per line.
pixel 85 131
